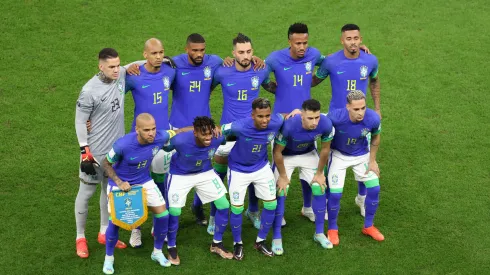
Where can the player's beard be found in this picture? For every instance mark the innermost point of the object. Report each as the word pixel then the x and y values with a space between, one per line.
pixel 195 62
pixel 242 64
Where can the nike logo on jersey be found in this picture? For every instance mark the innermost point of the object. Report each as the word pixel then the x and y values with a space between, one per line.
pixel 248 139
pixel 230 84
pixel 185 73
pixel 339 72
pixel 287 68
pixel 103 99
pixel 145 86
pixel 342 132
pixel 133 158
pixel 188 155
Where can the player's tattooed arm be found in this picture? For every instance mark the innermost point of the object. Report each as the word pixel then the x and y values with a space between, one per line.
pixel 282 181
pixel 111 173
pixel 270 87
pixel 316 80
pixel 373 164
pixel 374 86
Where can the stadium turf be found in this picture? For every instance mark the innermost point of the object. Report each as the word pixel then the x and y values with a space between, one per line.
pixel 435 178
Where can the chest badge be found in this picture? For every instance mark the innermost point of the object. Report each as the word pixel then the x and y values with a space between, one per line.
pixel 207 73
pixel 364 72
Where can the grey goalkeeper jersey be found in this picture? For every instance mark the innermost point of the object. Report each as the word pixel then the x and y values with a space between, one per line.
pixel 102 104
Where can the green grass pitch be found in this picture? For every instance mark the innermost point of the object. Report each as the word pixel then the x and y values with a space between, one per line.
pixel 435 180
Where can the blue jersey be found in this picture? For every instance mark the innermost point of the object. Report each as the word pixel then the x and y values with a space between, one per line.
pixel 347 75
pixel 131 160
pixel 239 90
pixel 250 151
pixel 298 140
pixel 192 89
pixel 351 137
pixel 293 77
pixel 191 158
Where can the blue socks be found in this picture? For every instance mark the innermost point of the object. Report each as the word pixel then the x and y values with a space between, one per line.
pixel 333 207
pixel 111 237
pixel 319 207
pixel 371 203
pixel 306 188
pixel 281 201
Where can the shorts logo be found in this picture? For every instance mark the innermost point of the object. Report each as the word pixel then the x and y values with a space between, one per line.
pixel 127 202
pixel 166 83
pixel 308 67
pixel 154 151
pixel 207 73
pixel 175 198
pixel 255 82
pixel 364 72
pixel 270 137
pixel 335 179
pixel 211 153
pixel 236 195
pixel 364 132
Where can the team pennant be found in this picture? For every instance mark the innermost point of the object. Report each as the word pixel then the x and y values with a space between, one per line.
pixel 128 209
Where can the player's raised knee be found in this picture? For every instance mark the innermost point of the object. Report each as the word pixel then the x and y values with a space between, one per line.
pixel 222 203
pixel 237 209
pixel 270 205
pixel 175 211
pixel 316 189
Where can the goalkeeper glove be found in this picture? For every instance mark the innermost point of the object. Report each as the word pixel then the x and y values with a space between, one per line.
pixel 88 161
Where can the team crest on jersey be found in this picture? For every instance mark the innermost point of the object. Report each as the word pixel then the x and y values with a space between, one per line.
pixel 335 179
pixel 211 153
pixel 175 198
pixel 120 86
pixel 270 137
pixel 236 195
pixel 154 151
pixel 308 67
pixel 364 132
pixel 207 73
pixel 364 72
pixel 255 82
pixel 166 83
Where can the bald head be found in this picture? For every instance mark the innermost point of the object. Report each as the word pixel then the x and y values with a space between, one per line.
pixel 144 118
pixel 153 54
pixel 152 42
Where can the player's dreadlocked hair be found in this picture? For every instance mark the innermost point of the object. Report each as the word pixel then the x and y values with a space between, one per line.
pixel 311 105
pixel 297 28
pixel 107 53
pixel 350 27
pixel 195 38
pixel 241 38
pixel 203 124
pixel 355 95
pixel 261 103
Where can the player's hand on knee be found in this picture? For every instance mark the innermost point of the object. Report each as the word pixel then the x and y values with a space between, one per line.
pixel 259 64
pixel 134 69
pixel 321 180
pixel 228 62
pixel 282 184
pixel 123 185
pixel 88 161
pixel 373 166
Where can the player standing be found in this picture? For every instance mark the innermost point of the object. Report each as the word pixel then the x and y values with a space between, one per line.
pixel 350 148
pixel 351 69
pixel 296 148
pixel 293 70
pixel 248 163
pixel 240 85
pixel 191 167
pixel 101 100
pixel 127 164
pixel 150 90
